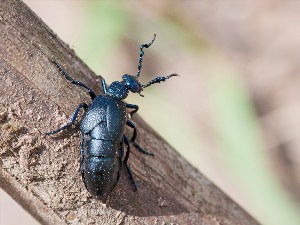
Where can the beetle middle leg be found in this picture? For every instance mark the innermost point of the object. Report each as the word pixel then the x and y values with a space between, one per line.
pixel 142 150
pixel 132 106
pixel 73 119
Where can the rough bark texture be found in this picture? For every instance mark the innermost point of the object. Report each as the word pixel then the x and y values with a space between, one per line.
pixel 42 173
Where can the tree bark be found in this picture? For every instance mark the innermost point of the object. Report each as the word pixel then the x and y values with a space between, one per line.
pixel 42 173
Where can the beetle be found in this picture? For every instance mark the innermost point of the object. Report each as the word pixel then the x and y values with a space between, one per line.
pixel 102 129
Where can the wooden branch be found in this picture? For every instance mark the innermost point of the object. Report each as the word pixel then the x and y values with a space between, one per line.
pixel 42 173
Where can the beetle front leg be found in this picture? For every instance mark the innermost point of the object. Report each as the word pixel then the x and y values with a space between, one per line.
pixel 142 150
pixel 76 82
pixel 82 105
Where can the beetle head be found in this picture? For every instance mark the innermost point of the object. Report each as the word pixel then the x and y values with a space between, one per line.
pixel 120 89
pixel 132 83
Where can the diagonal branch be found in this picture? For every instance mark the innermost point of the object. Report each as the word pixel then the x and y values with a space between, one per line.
pixel 42 174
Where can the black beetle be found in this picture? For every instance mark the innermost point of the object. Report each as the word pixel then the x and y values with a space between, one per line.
pixel 102 128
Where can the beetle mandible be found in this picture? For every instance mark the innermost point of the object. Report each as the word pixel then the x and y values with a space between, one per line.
pixel 102 130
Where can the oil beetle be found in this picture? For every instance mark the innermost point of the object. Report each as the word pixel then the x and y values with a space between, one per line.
pixel 102 130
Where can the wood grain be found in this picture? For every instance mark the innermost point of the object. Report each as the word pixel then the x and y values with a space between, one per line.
pixel 42 173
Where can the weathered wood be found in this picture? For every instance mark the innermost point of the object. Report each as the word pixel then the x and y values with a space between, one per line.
pixel 42 173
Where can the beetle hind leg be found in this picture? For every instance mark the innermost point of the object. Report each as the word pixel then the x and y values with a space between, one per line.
pixel 125 139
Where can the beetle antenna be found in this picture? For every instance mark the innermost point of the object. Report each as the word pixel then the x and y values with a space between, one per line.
pixel 159 79
pixel 142 54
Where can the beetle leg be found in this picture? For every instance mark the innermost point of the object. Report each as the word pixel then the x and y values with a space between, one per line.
pixel 104 87
pixel 132 125
pixel 122 149
pixel 132 106
pixel 142 150
pixel 127 166
pixel 76 82
pixel 82 105
pixel 82 172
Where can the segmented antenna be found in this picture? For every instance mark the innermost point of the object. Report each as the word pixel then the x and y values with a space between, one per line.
pixel 142 54
pixel 159 79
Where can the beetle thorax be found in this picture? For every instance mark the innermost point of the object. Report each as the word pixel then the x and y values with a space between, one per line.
pixel 118 89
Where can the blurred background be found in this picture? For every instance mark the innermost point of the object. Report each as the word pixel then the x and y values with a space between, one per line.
pixel 234 112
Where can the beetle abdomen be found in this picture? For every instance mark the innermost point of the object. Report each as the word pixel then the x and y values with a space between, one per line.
pixel 101 174
pixel 100 164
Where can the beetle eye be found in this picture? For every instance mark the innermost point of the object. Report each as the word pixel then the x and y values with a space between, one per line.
pixel 125 77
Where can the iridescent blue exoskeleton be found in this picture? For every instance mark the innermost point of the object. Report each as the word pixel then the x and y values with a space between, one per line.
pixel 102 130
